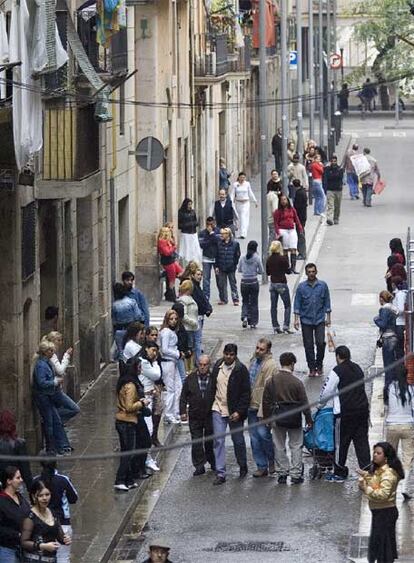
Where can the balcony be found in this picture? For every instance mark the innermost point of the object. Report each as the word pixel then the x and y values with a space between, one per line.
pixel 219 57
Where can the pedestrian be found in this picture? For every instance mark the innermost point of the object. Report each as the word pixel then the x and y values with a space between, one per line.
pixel 229 400
pixel 399 301
pixel 274 189
pixel 42 534
pixel 333 178
pixel 380 487
pixel 397 250
pixel 228 255
pixel 318 192
pixel 167 250
pixel 204 310
pixel 387 341
pixel 395 269
pixel 159 551
pixel 343 96
pixel 250 266
pixel 170 374
pixel 11 444
pixel 286 221
pixel 241 194
pixel 277 266
pixel 14 508
pixel 351 175
pixel 190 270
pixel 124 312
pixel 190 318
pixel 63 494
pixel 368 94
pixel 291 151
pixel 289 393
pixel 351 412
pixel 224 175
pixel 399 421
pixel 128 280
pixel 301 206
pixel 59 367
pixel 182 341
pixel 151 335
pixel 312 307
pixel 296 171
pixel 369 178
pixel 277 149
pixel 262 366
pixel 195 396
pixel 187 224
pixel 132 341
pixel 225 213
pixel 208 239
pixel 130 426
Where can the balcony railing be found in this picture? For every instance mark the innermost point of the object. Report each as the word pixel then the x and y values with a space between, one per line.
pixel 217 58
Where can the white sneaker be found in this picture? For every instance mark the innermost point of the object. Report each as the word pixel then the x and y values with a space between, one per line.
pixel 121 487
pixel 152 465
pixel 183 421
pixel 176 421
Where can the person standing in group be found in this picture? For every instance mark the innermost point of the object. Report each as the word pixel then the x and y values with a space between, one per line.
pixel 333 178
pixel 132 341
pixel 182 341
pixel 351 175
pixel 296 171
pixel 59 367
pixel 228 255
pixel 229 399
pixel 286 220
pixel 225 213
pixel 195 396
pixel 151 335
pixel 224 175
pixel 312 309
pixel 369 178
pixel 277 149
pixel 397 250
pixel 11 444
pixel 277 266
pixel 289 392
pixel 291 151
pixel 301 206
pixel 167 250
pixel 274 190
pixel 386 322
pixel 14 508
pixel 190 318
pixel 250 266
pixel 187 224
pixel 128 280
pixel 351 412
pixel 262 366
pixel 318 193
pixel 380 486
pixel 241 194
pixel 170 374
pixel 343 96
pixel 204 309
pixel 399 301
pixel 124 312
pixel 209 238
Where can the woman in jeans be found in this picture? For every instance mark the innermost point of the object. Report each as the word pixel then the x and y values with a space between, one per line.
pixel 250 266
pixel 277 266
pixel 317 188
pixel 386 322
pixel 14 508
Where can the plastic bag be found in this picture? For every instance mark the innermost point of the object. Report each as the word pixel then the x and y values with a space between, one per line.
pixel 331 336
pixel 379 187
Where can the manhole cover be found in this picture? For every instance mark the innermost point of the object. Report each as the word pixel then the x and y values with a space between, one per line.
pixel 262 546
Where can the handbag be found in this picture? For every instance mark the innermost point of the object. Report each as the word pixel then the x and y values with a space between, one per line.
pixel 281 409
pixel 379 187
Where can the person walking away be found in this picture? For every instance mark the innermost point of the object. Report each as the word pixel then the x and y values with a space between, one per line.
pixel 277 149
pixel 11 444
pixel 128 280
pixel 333 178
pixel 343 96
pixel 228 255
pixel 225 213
pixel 301 206
pixel 63 494
pixel 351 175
pixel 208 239
pixel 229 400
pixel 204 309
pixel 170 374
pixel 183 341
pixel 241 194
pixel 187 224
pixel 399 421
pixel 224 175
pixel 190 318
pixel 14 508
pixel 277 266
pixel 399 301
pixel 368 94
pixel 250 266
pixel 318 193
pixel 289 392
pixel 195 397
pixel 368 179
pixel 351 413
pixel 296 171
pixel 167 250
pixel 262 366
pixel 312 308
pixel 380 487
pixel 286 221
pixel 274 189
pixel 388 341
pixel 124 312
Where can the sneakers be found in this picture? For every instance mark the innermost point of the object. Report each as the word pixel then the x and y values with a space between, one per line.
pixel 199 471
pixel 244 323
pixel 221 303
pixel 272 468
pixel 260 473
pixel 277 331
pixel 219 481
pixel 253 326
pixel 151 464
pixel 133 485
pixel 121 487
pixel 312 373
pixel 319 371
pixel 288 331
pixel 282 479
pixel 329 222
pixel 332 478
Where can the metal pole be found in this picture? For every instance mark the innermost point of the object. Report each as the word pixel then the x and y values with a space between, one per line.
pixel 335 39
pixel 328 67
pixel 320 41
pixel 342 65
pixel 299 147
pixel 311 72
pixel 283 87
pixel 397 105
pixel 263 128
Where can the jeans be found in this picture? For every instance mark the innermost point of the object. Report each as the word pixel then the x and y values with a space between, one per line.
pixel 334 205
pixel 220 425
pixel 250 303
pixel 352 180
pixel 261 442
pixel 126 432
pixel 272 234
pixel 181 369
pixel 198 337
pixel 222 286
pixel 207 268
pixel 310 334
pixel 67 408
pixel 295 436
pixel 55 435
pixel 142 441
pixel 389 356
pixel 202 452
pixel 119 339
pixel 280 290
pixel 404 433
pixel 367 190
pixel 319 197
pixel 8 555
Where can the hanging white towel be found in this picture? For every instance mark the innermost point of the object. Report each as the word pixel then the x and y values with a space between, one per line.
pixel 4 53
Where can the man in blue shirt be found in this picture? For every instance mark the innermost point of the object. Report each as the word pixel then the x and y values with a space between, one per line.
pixel 134 293
pixel 312 308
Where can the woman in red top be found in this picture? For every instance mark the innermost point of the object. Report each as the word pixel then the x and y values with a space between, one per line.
pixel 168 257
pixel 318 193
pixel 286 219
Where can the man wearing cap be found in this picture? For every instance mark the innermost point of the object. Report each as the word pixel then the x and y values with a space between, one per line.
pixel 159 551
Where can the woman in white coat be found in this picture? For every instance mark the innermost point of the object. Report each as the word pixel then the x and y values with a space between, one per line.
pixel 170 374
pixel 241 194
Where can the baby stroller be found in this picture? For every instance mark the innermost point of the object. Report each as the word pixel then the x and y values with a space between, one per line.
pixel 319 441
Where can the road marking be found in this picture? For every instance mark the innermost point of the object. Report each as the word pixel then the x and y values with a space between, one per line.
pixel 374 133
pixel 364 299
pixel 399 134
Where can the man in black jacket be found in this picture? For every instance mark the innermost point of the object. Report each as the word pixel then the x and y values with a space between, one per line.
pixel 351 412
pixel 332 181
pixel 208 239
pixel 277 149
pixel 224 212
pixel 301 205
pixel 195 394
pixel 229 399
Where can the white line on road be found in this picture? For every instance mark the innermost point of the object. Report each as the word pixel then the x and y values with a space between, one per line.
pixel 367 299
pixel 374 134
pixel 399 134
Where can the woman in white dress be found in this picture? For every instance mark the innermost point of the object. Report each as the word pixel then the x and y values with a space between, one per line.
pixel 240 194
pixel 187 223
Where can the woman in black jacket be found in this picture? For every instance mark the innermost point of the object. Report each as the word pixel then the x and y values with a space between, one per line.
pixel 204 309
pixel 188 223
pixel 11 444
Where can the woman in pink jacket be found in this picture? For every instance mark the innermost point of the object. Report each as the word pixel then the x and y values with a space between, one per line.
pixel 286 220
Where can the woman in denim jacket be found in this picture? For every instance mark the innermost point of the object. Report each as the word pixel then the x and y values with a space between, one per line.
pixel 386 322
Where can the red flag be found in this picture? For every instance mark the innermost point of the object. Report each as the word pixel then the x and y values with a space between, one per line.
pixel 270 24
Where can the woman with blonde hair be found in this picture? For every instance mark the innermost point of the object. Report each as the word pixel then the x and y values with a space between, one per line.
pixel 167 250
pixel 190 270
pixel 190 318
pixel 59 367
pixel 277 266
